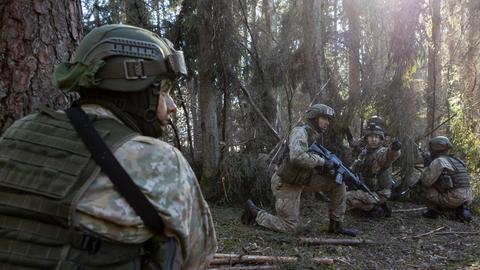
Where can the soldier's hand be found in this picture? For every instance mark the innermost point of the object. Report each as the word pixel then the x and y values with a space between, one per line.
pixel 396 145
pixel 329 167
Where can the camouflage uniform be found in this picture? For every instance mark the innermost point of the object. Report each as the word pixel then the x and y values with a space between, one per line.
pixel 160 171
pixel 438 199
pixel 374 165
pixel 287 187
pixel 59 210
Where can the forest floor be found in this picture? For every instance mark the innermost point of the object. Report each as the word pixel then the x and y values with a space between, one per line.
pixel 399 243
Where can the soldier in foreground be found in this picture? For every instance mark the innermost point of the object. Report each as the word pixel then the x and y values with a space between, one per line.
pixel 373 164
pixel 299 172
pixel 446 182
pixel 65 206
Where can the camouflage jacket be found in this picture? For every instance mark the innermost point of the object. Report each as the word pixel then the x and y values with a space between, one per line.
pixel 373 165
pixel 433 172
pixel 167 180
pixel 298 167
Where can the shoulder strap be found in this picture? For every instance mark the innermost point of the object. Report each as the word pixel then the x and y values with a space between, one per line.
pixel 112 168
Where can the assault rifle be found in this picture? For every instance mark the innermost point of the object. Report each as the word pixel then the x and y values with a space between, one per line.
pixel 342 171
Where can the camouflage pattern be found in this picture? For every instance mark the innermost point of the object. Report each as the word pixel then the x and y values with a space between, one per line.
pixel 167 180
pixel 374 166
pixel 436 200
pixel 299 141
pixel 287 202
pixel 287 195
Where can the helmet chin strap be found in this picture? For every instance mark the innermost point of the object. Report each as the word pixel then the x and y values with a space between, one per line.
pixel 137 110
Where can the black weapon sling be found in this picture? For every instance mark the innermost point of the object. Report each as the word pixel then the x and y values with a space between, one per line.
pixel 112 168
pixel 120 178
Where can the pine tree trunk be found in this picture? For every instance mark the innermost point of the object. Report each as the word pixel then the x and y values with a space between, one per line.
pixel 34 37
pixel 353 43
pixel 433 92
pixel 472 68
pixel 313 51
pixel 137 14
pixel 207 102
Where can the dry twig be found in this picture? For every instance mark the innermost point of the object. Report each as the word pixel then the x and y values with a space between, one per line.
pixel 231 259
pixel 408 210
pixel 430 232
pixel 345 242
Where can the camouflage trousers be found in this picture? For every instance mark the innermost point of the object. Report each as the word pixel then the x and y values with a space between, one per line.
pixel 451 199
pixel 359 199
pixel 287 202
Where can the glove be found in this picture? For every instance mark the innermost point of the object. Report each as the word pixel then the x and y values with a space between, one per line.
pixel 396 145
pixel 329 165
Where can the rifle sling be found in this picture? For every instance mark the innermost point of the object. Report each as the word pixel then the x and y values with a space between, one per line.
pixel 115 172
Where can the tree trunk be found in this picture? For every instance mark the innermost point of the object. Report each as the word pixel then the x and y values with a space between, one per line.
pixel 207 101
pixel 34 37
pixel 137 14
pixel 353 43
pixel 433 92
pixel 313 50
pixel 472 72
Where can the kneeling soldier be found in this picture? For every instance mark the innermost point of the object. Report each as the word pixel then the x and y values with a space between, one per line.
pixel 373 164
pixel 299 172
pixel 446 181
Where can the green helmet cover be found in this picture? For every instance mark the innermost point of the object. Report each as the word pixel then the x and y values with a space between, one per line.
pixel 121 58
pixel 439 144
pixel 375 130
pixel 375 120
pixel 318 110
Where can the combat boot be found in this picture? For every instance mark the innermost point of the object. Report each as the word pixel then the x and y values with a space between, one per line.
pixel 250 214
pixel 386 209
pixel 376 212
pixel 463 213
pixel 430 213
pixel 336 228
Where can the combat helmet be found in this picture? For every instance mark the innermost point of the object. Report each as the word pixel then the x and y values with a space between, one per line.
pixel 375 130
pixel 124 69
pixel 121 58
pixel 375 120
pixel 318 110
pixel 439 144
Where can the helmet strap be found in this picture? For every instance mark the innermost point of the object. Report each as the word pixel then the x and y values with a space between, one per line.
pixel 137 110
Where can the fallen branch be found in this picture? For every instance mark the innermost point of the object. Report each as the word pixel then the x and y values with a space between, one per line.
pixel 344 242
pixel 430 232
pixel 230 259
pixel 251 267
pixel 444 233
pixel 409 210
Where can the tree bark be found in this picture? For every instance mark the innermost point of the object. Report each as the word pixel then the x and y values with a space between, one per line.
pixel 353 43
pixel 433 92
pixel 34 37
pixel 472 68
pixel 313 48
pixel 207 100
pixel 137 14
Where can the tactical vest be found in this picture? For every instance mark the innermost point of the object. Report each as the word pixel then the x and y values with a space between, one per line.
pixel 294 175
pixel 460 177
pixel 375 180
pixel 44 170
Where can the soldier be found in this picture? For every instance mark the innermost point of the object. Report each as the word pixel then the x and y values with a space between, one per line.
pixel 359 144
pixel 374 164
pixel 446 181
pixel 299 172
pixel 60 210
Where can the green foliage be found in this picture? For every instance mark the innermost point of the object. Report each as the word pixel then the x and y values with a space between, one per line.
pixel 466 145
